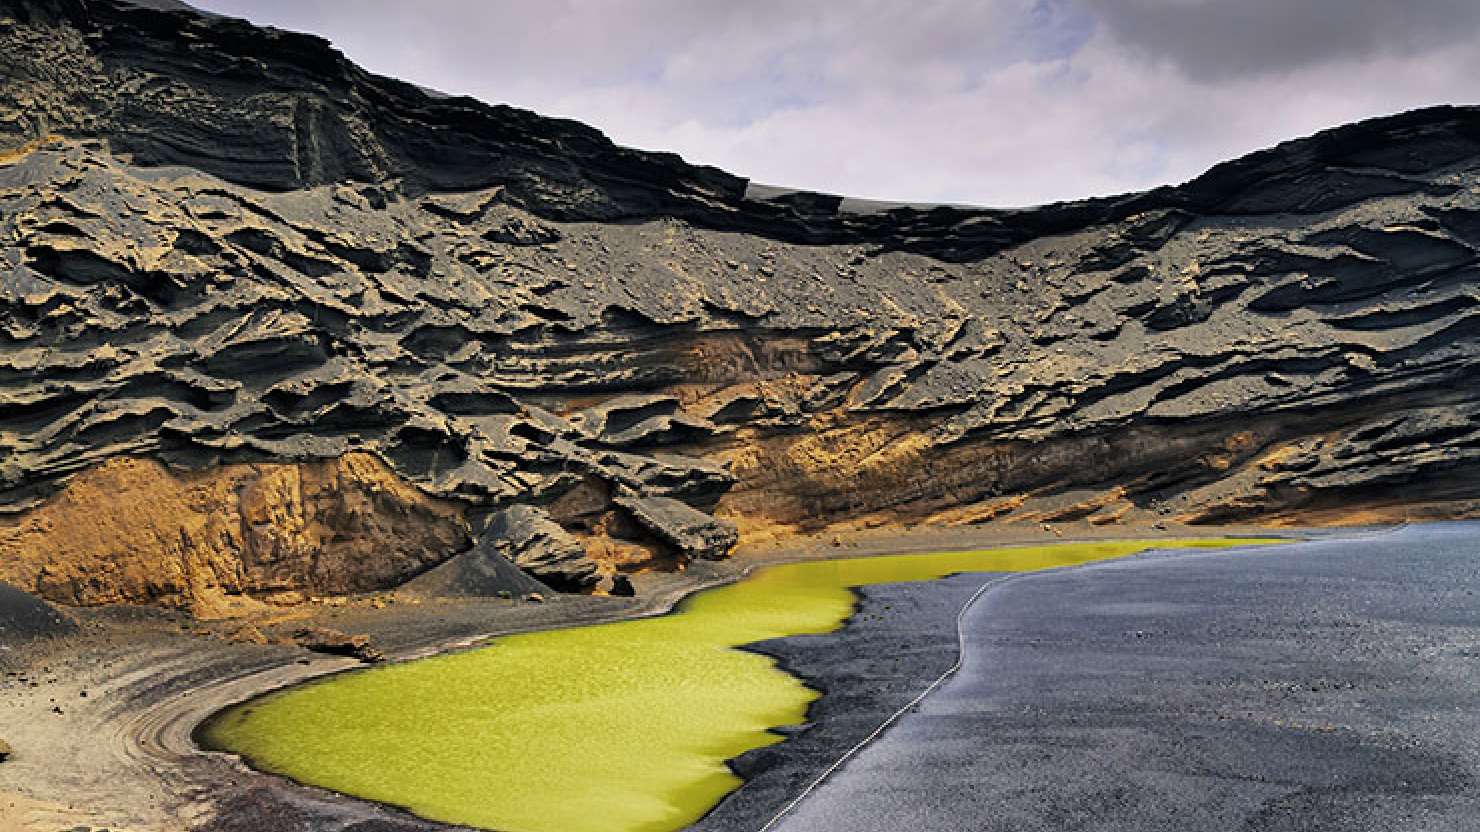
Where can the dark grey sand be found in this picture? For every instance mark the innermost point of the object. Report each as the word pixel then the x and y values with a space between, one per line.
pixel 902 636
pixel 1330 685
pixel 24 617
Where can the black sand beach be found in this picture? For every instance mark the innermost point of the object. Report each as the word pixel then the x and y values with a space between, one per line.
pixel 24 617
pixel 1327 685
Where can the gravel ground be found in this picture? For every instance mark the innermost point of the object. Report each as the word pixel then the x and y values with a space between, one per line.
pixel 24 617
pixel 1329 685
pixel 902 636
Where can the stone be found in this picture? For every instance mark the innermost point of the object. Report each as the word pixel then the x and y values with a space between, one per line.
pixel 528 538
pixel 335 643
pixel 482 572
pixel 691 532
pixel 622 586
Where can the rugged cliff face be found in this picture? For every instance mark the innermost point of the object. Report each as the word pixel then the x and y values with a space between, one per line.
pixel 229 256
pixel 131 530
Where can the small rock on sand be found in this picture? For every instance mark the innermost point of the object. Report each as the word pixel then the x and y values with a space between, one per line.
pixel 336 643
pixel 622 586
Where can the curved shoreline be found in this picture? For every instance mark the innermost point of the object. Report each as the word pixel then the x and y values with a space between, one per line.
pixel 152 744
pixel 165 732
pixel 810 661
pixel 302 733
pixel 1325 684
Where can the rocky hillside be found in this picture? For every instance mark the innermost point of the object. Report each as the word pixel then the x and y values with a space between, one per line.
pixel 272 325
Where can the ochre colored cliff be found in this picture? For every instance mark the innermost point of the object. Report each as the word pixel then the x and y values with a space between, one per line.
pixel 132 531
pixel 331 328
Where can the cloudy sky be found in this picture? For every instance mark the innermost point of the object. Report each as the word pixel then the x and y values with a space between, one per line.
pixel 994 102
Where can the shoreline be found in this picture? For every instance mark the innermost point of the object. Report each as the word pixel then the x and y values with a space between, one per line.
pixel 667 602
pixel 1324 684
pixel 830 664
pixel 156 738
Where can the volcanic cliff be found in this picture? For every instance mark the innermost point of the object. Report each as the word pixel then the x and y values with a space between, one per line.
pixel 274 326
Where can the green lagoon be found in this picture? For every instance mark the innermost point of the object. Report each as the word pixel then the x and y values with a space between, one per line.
pixel 621 727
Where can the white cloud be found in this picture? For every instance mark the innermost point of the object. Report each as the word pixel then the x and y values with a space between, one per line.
pixel 1004 102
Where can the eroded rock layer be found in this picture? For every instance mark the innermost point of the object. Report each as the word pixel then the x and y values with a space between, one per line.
pixel 223 246
pixel 131 530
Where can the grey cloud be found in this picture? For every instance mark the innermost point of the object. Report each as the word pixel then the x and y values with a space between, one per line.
pixel 1215 39
pixel 747 48
pixel 1001 102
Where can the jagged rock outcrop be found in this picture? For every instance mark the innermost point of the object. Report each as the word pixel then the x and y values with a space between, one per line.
pixel 223 246
pixel 527 537
pixel 131 530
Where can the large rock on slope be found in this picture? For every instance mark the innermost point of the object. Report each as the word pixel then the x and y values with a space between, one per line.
pixel 526 536
pixel 690 531
pixel 225 245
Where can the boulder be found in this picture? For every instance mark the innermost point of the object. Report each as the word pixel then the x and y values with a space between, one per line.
pixel 622 587
pixel 335 643
pixel 690 531
pixel 528 538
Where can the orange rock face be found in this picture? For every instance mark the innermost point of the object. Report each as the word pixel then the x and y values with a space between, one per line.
pixel 134 531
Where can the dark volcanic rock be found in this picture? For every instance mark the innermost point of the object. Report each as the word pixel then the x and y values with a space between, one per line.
pixel 622 587
pixel 530 539
pixel 335 643
pixel 225 244
pixel 690 531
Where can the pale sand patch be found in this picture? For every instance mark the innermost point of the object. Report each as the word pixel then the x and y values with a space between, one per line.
pixel 19 813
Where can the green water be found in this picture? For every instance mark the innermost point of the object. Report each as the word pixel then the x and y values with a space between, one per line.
pixel 606 728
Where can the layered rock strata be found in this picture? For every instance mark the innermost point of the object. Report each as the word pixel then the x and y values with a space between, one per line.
pixel 229 258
